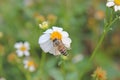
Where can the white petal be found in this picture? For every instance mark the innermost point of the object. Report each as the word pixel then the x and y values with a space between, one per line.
pixel 26 44
pixel 57 29
pixel 19 53
pixel 18 45
pixel 54 51
pixel 46 46
pixel 26 53
pixel 44 38
pixel 116 8
pixel 48 31
pixel 110 4
pixel 25 61
pixel 65 34
pixel 66 42
pixel 32 68
pixel 25 66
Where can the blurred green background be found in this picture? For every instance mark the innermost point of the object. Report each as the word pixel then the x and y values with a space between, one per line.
pixel 83 19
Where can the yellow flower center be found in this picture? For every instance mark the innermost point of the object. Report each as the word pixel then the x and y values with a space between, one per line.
pixel 117 2
pixel 23 48
pixel 100 75
pixel 30 63
pixel 56 35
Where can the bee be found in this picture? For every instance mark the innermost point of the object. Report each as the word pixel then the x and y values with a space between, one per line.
pixel 58 44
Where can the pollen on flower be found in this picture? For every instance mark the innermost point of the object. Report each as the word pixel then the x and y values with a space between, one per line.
pixel 56 35
pixel 23 48
pixel 117 2
pixel 100 75
pixel 30 63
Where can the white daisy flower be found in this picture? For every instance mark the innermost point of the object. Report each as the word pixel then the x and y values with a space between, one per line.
pixel 114 3
pixel 22 49
pixel 46 40
pixel 29 64
pixel 44 25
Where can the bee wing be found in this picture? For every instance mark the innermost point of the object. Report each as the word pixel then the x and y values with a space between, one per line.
pixel 56 51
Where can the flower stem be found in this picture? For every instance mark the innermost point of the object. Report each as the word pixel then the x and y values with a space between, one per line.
pixel 42 65
pixel 28 77
pixel 42 60
pixel 62 68
pixel 63 71
pixel 98 45
pixel 107 28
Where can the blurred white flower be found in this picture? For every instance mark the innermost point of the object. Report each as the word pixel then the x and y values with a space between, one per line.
pixel 22 49
pixel 2 78
pixel 44 25
pixel 46 40
pixel 114 3
pixel 78 58
pixel 29 64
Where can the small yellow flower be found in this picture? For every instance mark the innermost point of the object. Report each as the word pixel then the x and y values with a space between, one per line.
pixel 99 14
pixel 40 18
pixel 99 74
pixel 44 25
pixel 51 18
pixel 91 22
pixel 12 57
